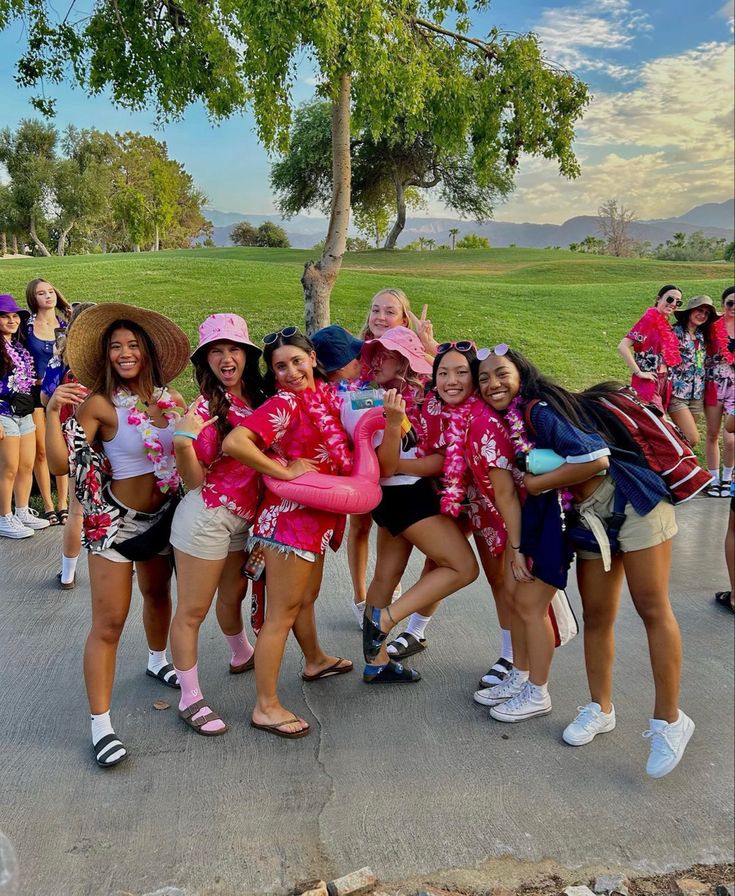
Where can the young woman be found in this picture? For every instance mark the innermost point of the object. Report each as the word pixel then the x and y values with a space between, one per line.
pixel 294 432
pixel 719 395
pixel 17 440
pixel 567 424
pixel 687 394
pixel 409 513
pixel 727 598
pixel 49 311
pixel 210 526
pixel 389 307
pixel 651 349
pixel 57 373
pixel 450 410
pixel 128 490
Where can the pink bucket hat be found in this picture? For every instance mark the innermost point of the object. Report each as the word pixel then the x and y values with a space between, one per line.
pixel 224 328
pixel 403 341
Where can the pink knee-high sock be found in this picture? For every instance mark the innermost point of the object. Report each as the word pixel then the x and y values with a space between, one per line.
pixel 190 693
pixel 241 648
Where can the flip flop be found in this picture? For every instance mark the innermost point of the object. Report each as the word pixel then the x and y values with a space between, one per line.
pixel 164 675
pixel 334 669
pixel 277 729
pixel 245 667
pixel 724 599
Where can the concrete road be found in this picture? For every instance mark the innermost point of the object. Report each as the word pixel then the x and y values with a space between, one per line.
pixel 409 780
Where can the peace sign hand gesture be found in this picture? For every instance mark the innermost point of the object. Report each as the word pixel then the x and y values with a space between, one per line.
pixel 424 330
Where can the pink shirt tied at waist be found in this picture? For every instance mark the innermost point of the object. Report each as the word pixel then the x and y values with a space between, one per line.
pixel 227 483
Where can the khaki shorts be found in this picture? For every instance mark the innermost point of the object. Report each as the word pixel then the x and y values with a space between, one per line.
pixel 695 405
pixel 637 532
pixel 208 533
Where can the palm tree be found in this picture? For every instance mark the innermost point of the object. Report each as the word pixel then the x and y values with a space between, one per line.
pixel 453 231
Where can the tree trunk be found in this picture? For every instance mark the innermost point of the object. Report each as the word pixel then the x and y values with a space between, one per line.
pixel 136 247
pixel 15 244
pixel 34 236
pixel 103 245
pixel 3 244
pixel 318 279
pixel 400 223
pixel 61 248
pixel 157 240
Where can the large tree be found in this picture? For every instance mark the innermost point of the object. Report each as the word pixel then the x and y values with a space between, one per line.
pixel 394 62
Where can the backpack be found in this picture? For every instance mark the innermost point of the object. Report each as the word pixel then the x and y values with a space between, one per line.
pixel 642 436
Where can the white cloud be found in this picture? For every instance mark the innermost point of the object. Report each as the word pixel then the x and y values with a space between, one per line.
pixel 727 12
pixel 569 33
pixel 662 148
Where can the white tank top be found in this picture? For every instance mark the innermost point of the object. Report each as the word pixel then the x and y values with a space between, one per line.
pixel 126 452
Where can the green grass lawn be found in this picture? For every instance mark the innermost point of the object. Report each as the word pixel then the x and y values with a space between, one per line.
pixel 566 311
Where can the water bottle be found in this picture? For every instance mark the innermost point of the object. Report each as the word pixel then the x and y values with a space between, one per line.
pixel 539 460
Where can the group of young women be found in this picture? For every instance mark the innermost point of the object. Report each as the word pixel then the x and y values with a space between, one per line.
pixel 151 475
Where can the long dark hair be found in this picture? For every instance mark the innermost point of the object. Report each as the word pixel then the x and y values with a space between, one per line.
pixel 215 393
pixel 61 303
pixel 6 362
pixel 151 377
pixel 470 355
pixel 297 340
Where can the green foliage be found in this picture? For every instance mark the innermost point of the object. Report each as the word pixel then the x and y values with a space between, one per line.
pixel 729 254
pixel 694 247
pixel 271 236
pixel 473 241
pixel 244 234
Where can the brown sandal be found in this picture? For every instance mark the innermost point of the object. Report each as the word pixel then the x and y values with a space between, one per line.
pixel 278 728
pixel 197 724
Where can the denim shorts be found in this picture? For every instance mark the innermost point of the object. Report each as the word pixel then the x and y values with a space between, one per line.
pixel 17 426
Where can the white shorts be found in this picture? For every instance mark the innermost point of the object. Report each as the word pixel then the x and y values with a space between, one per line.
pixel 208 533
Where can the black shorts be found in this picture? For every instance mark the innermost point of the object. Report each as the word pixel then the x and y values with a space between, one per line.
pixel 403 505
pixel 732 504
pixel 36 393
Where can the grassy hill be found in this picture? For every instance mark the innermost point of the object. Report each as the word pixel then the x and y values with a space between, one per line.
pixel 565 310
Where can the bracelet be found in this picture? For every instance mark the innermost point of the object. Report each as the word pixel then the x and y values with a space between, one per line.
pixel 515 547
pixel 186 435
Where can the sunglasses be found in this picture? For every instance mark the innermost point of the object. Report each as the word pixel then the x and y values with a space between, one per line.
pixel 285 333
pixel 730 303
pixel 670 300
pixel 484 353
pixel 464 345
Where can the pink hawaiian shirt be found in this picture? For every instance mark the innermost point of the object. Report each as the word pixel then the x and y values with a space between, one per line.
pixel 287 433
pixel 489 446
pixel 227 482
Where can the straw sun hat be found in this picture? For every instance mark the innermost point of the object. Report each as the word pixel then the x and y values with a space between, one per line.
pixel 84 344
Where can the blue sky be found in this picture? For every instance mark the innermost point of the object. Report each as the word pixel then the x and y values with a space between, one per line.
pixel 657 135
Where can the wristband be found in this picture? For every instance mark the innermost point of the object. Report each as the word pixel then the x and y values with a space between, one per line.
pixel 186 435
pixel 514 547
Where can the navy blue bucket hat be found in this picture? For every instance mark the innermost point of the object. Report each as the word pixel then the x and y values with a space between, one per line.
pixel 336 347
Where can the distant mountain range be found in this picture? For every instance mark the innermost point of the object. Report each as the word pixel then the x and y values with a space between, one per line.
pixel 714 219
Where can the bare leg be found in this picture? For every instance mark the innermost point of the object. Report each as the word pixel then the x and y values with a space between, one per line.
pixel 713 418
pixel 304 629
pixel 154 581
pixel 40 466
pixel 230 594
pixel 600 593
pixel 288 578
pixel 62 492
pixel 730 554
pixel 111 589
pixel 684 419
pixel 357 553
pixel 647 573
pixel 196 581
pixel 9 460
pixel 24 476
pixel 72 545
pixel 531 603
pixel 494 569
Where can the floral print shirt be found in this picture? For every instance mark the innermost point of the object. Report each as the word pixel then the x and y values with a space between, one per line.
pixel 286 433
pixel 489 446
pixel 227 483
pixel 688 376
pixel 19 379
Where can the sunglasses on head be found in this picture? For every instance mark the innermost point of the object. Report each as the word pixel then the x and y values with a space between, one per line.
pixel 671 300
pixel 286 333
pixel 484 353
pixel 464 345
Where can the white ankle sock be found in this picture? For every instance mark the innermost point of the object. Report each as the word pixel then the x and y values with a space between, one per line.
pixel 506 649
pixel 539 691
pixel 101 725
pixel 21 509
pixel 727 474
pixel 522 674
pixel 157 659
pixel 417 625
pixel 715 474
pixel 68 568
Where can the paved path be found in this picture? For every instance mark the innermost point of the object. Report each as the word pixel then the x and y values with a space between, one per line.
pixel 407 780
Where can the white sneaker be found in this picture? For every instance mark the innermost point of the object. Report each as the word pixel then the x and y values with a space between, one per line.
pixel 359 611
pixel 30 519
pixel 668 742
pixel 525 705
pixel 590 722
pixel 11 527
pixel 499 693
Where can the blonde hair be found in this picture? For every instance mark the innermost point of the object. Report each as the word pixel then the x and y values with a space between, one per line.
pixel 400 295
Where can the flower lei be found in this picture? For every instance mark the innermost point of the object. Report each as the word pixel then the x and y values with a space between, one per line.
pixel 515 418
pixel 455 421
pixel 23 377
pixel 323 408
pixel 164 465
pixel 720 338
pixel 667 337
